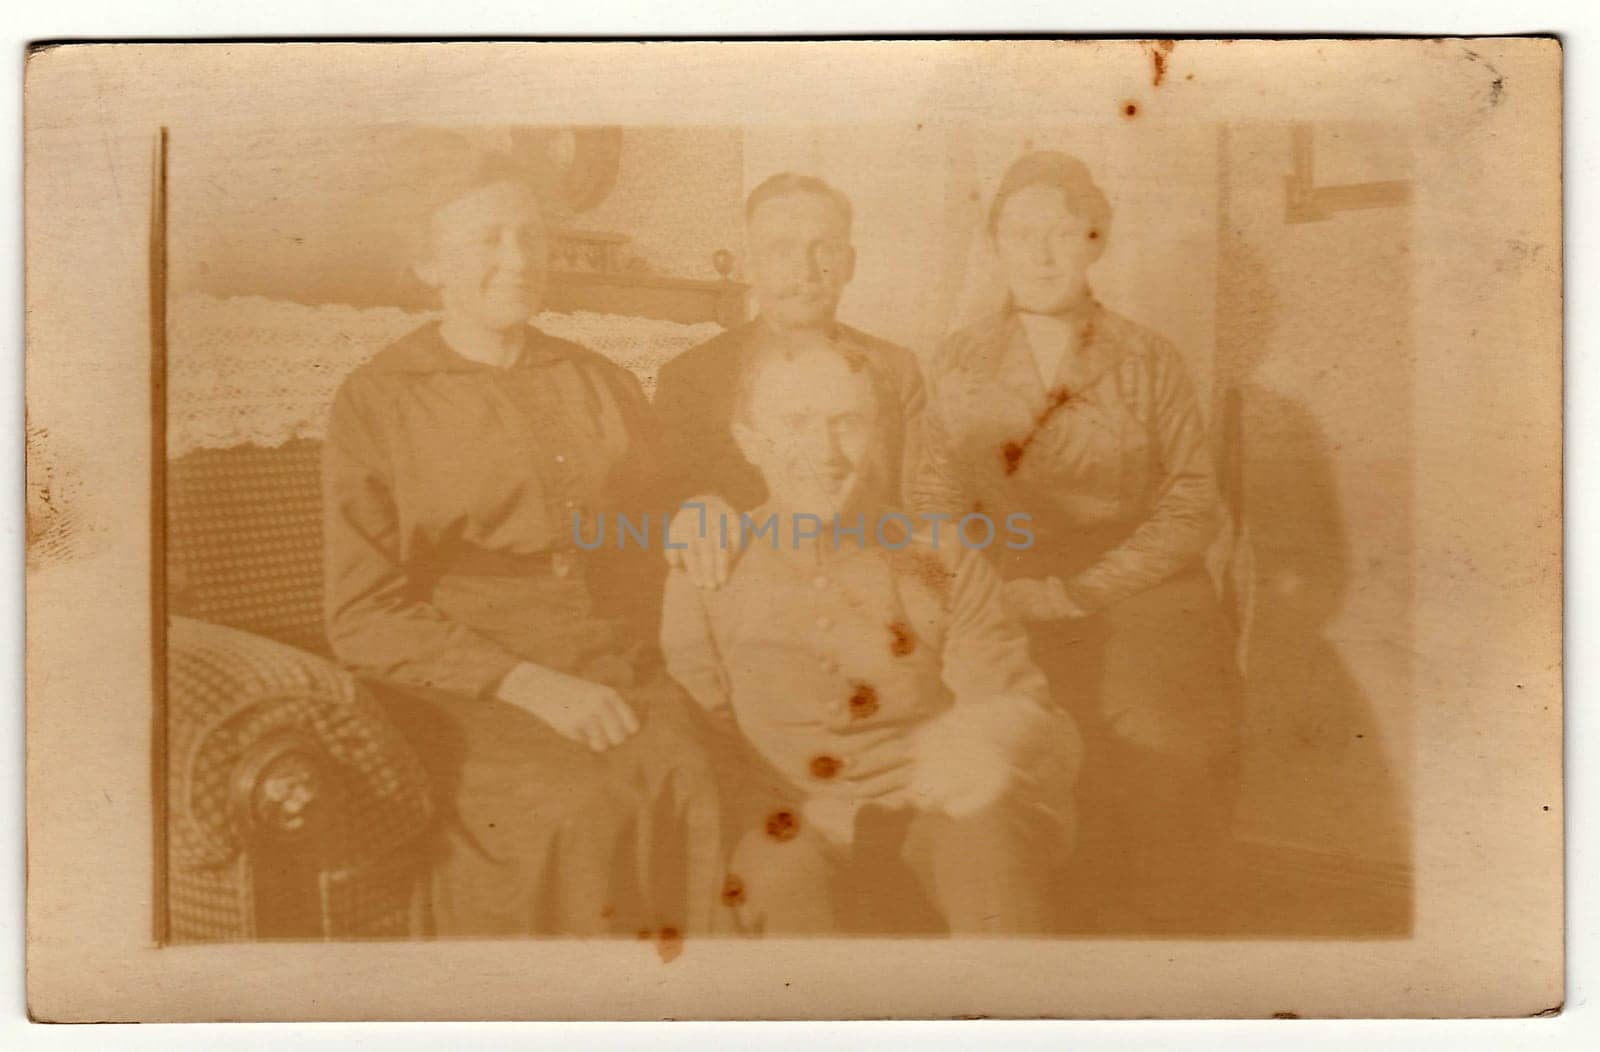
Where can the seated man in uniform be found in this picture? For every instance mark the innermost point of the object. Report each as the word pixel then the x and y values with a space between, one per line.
pixel 876 682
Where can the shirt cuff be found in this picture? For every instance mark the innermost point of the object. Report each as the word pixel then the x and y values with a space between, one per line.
pixel 513 675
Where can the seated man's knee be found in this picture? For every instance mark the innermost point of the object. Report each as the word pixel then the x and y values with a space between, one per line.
pixel 781 882
pixel 996 871
pixel 1011 827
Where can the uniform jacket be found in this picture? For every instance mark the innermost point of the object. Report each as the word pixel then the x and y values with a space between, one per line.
pixel 832 656
pixel 694 403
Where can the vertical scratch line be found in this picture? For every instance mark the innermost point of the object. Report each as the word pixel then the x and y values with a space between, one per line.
pixel 158 535
pixel 1228 375
pixel 1300 147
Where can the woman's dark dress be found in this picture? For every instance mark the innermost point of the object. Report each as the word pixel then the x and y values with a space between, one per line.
pixel 1110 460
pixel 450 492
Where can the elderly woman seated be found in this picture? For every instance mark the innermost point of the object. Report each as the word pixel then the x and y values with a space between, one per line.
pixel 577 800
pixel 892 723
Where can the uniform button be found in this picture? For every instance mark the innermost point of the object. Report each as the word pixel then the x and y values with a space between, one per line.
pixel 863 701
pixel 824 767
pixel 824 622
pixel 560 459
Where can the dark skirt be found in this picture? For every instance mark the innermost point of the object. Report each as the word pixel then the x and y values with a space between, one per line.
pixel 1153 686
pixel 539 835
pixel 1155 670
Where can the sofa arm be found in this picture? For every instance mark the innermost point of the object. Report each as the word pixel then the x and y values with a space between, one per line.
pixel 295 808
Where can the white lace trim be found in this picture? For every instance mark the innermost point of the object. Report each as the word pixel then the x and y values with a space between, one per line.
pixel 252 370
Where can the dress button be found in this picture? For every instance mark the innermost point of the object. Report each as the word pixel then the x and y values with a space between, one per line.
pixel 824 622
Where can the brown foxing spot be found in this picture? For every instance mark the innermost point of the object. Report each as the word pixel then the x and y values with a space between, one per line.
pixel 1158 58
pixel 1012 452
pixel 732 891
pixel 1130 109
pixel 901 641
pixel 783 825
pixel 863 701
pixel 824 766
pixel 927 567
pixel 608 912
pixel 669 944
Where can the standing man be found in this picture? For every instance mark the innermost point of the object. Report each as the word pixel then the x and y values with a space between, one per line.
pixel 799 260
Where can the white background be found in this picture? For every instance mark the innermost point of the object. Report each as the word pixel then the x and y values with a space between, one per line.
pixel 1579 29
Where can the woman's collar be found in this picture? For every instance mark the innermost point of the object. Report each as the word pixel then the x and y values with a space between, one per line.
pixel 1096 351
pixel 427 352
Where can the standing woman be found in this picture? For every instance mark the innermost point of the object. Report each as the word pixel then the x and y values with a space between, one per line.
pixel 455 462
pixel 1058 408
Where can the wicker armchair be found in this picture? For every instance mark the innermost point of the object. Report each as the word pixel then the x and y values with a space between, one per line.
pixel 295 808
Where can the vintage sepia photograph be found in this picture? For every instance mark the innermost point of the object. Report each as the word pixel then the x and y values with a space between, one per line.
pixel 714 533
pixel 667 531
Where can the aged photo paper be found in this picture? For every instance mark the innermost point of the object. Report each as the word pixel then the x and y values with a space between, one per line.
pixel 767 530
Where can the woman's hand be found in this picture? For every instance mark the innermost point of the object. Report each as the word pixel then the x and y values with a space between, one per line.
pixel 699 529
pixel 591 714
pixel 1038 599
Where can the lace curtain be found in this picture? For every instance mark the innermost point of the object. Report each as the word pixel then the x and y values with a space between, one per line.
pixel 259 371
